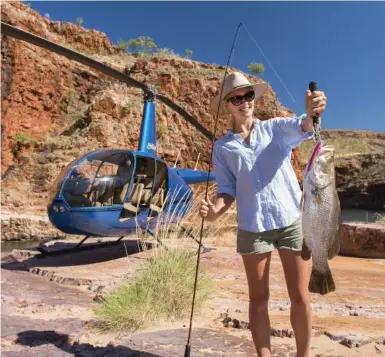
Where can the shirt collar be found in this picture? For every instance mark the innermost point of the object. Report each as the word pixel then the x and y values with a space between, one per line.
pixel 255 122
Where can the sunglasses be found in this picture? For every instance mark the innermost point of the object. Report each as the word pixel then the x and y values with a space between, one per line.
pixel 239 99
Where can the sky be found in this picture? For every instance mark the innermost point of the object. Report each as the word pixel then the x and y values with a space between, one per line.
pixel 339 45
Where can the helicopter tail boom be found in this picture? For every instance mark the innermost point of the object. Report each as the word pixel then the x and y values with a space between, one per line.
pixel 194 176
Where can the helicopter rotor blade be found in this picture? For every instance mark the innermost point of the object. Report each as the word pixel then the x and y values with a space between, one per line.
pixel 76 56
pixel 186 116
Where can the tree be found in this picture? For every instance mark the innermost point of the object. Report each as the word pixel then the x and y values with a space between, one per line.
pixel 79 21
pixel 147 44
pixel 134 44
pixel 257 68
pixel 188 53
pixel 123 45
pixel 138 45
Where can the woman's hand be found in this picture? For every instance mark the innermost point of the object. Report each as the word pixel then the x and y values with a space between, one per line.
pixel 208 210
pixel 315 103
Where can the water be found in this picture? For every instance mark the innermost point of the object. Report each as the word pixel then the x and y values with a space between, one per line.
pixel 360 215
pixel 8 246
pixel 347 215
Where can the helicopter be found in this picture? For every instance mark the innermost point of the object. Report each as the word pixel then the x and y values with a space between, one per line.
pixel 115 192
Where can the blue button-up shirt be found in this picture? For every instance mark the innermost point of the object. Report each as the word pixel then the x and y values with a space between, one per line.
pixel 260 176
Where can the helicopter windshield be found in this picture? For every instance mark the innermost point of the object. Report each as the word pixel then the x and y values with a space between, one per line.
pixel 100 180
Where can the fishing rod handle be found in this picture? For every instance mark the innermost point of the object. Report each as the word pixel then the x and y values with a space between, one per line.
pixel 312 88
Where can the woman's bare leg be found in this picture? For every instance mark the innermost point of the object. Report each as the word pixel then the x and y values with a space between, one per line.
pixel 257 268
pixel 297 280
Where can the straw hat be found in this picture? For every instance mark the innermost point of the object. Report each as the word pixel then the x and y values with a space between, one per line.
pixel 234 81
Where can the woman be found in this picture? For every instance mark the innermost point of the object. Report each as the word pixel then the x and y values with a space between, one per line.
pixel 252 166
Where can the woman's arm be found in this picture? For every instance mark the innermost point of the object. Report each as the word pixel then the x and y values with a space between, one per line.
pixel 212 211
pixel 226 188
pixel 292 131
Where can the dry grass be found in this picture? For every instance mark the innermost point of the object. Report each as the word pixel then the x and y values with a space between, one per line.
pixel 162 288
pixel 200 73
pixel 120 60
pixel 226 238
pixel 380 218
pixel 221 231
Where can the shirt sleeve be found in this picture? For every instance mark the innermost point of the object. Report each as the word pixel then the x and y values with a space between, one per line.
pixel 224 178
pixel 290 131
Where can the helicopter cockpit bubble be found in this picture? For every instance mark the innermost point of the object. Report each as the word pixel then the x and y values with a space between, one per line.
pixel 101 179
pixel 55 187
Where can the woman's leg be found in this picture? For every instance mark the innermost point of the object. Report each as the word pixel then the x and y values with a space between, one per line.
pixel 257 268
pixel 297 281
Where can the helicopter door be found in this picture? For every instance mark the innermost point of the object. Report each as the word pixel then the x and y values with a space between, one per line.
pixel 149 189
pixel 143 182
pixel 160 189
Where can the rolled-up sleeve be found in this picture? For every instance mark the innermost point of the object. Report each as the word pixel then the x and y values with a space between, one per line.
pixel 226 182
pixel 290 131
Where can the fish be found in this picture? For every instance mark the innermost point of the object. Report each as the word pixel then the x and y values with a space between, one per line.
pixel 321 212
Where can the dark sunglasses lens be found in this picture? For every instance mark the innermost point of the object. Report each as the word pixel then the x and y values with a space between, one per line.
pixel 249 96
pixel 236 100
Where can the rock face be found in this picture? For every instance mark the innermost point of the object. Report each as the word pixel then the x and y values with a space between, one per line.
pixel 363 240
pixel 55 110
pixel 361 181
pixel 360 166
pixel 27 228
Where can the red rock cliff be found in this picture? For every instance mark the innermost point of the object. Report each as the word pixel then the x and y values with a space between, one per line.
pixel 55 110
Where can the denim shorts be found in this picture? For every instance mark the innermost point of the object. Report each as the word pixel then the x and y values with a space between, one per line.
pixel 289 237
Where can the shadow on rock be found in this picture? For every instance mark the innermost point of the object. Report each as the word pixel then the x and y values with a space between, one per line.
pixel 61 341
pixel 25 260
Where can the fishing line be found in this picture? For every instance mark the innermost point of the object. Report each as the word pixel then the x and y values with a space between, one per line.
pixel 188 347
pixel 312 88
pixel 267 60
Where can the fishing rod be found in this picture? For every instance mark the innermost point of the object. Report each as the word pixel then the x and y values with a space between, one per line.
pixel 316 118
pixel 188 344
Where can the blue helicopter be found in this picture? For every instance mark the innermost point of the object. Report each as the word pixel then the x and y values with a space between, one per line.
pixel 112 193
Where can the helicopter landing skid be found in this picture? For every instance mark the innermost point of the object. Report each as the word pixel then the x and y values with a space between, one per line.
pixel 78 247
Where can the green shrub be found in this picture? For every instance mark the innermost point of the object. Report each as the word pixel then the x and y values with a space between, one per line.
pixel 24 139
pixel 188 53
pixel 123 44
pixel 161 131
pixel 162 288
pixel 256 68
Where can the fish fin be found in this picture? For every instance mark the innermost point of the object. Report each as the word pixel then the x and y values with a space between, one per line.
pixel 334 249
pixel 321 282
pixel 305 253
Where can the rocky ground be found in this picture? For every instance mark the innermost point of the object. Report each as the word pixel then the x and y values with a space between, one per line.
pixel 47 308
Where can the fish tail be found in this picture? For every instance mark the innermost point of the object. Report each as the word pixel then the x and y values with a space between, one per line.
pixel 321 282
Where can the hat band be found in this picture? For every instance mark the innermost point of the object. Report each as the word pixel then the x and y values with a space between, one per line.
pixel 235 88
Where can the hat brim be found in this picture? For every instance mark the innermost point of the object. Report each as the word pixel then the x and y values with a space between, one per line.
pixel 259 90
